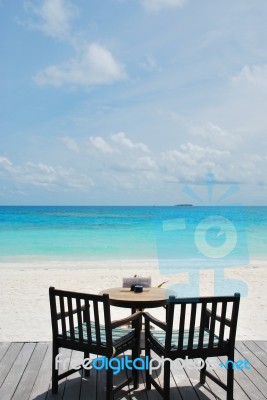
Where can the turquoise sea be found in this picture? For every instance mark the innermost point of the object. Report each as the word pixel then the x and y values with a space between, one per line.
pixel 103 233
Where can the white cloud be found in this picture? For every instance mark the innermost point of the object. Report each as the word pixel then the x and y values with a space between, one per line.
pixel 95 66
pixel 209 130
pixel 198 152
pixel 237 119
pixel 242 108
pixel 190 162
pixel 54 16
pixel 255 74
pixel 191 154
pixel 157 5
pixel 5 162
pixel 214 134
pixel 121 139
pixel 100 144
pixel 70 144
pixel 145 163
pixel 51 178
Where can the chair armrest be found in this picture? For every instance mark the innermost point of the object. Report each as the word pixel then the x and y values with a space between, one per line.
pixel 150 318
pixel 126 320
pixel 218 318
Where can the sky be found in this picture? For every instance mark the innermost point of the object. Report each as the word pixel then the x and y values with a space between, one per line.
pixel 132 102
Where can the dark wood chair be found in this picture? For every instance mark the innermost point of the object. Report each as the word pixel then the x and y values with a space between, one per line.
pixel 77 325
pixel 202 332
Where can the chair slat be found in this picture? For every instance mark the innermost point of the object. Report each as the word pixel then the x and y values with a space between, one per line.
pixel 212 324
pixel 79 317
pixel 71 318
pixel 222 323
pixel 192 326
pixel 169 318
pixel 235 308
pixel 53 307
pixel 108 328
pixel 202 325
pixel 87 320
pixel 62 316
pixel 97 325
pixel 181 327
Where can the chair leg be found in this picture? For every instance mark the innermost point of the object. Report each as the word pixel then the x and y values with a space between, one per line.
pixel 148 377
pixel 230 380
pixel 86 371
pixel 166 381
pixel 135 355
pixel 202 373
pixel 109 385
pixel 54 370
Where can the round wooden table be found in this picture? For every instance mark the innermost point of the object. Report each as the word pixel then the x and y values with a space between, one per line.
pixel 149 298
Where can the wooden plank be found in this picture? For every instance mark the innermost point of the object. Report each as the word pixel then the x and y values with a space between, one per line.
pixel 29 376
pixel 217 391
pixel 140 393
pixel 11 382
pixel 174 391
pixel 101 384
pixel 123 394
pixel 256 363
pixel 41 384
pixel 73 382
pixel 248 381
pixel 204 392
pixel 187 391
pixel 126 392
pixel 8 360
pixel 257 369
pixel 153 394
pixel 239 393
pixel 88 384
pixel 257 351
pixel 4 346
pixel 66 354
pixel 117 379
pixel 262 344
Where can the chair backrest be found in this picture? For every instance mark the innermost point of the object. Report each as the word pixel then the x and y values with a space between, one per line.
pixel 203 323
pixel 76 317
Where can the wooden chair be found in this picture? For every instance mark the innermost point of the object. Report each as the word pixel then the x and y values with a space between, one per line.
pixel 76 325
pixel 214 336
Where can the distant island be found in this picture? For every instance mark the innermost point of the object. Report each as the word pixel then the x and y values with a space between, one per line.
pixel 183 205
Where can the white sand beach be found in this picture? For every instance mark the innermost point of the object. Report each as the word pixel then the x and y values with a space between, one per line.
pixel 25 313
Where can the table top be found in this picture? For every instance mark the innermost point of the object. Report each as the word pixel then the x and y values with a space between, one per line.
pixel 149 298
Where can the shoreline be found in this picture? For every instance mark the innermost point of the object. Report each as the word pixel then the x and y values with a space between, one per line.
pixel 151 263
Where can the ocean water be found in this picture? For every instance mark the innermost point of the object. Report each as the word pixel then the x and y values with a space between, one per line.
pixel 121 233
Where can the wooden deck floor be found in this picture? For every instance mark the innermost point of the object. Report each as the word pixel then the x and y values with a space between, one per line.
pixel 25 374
